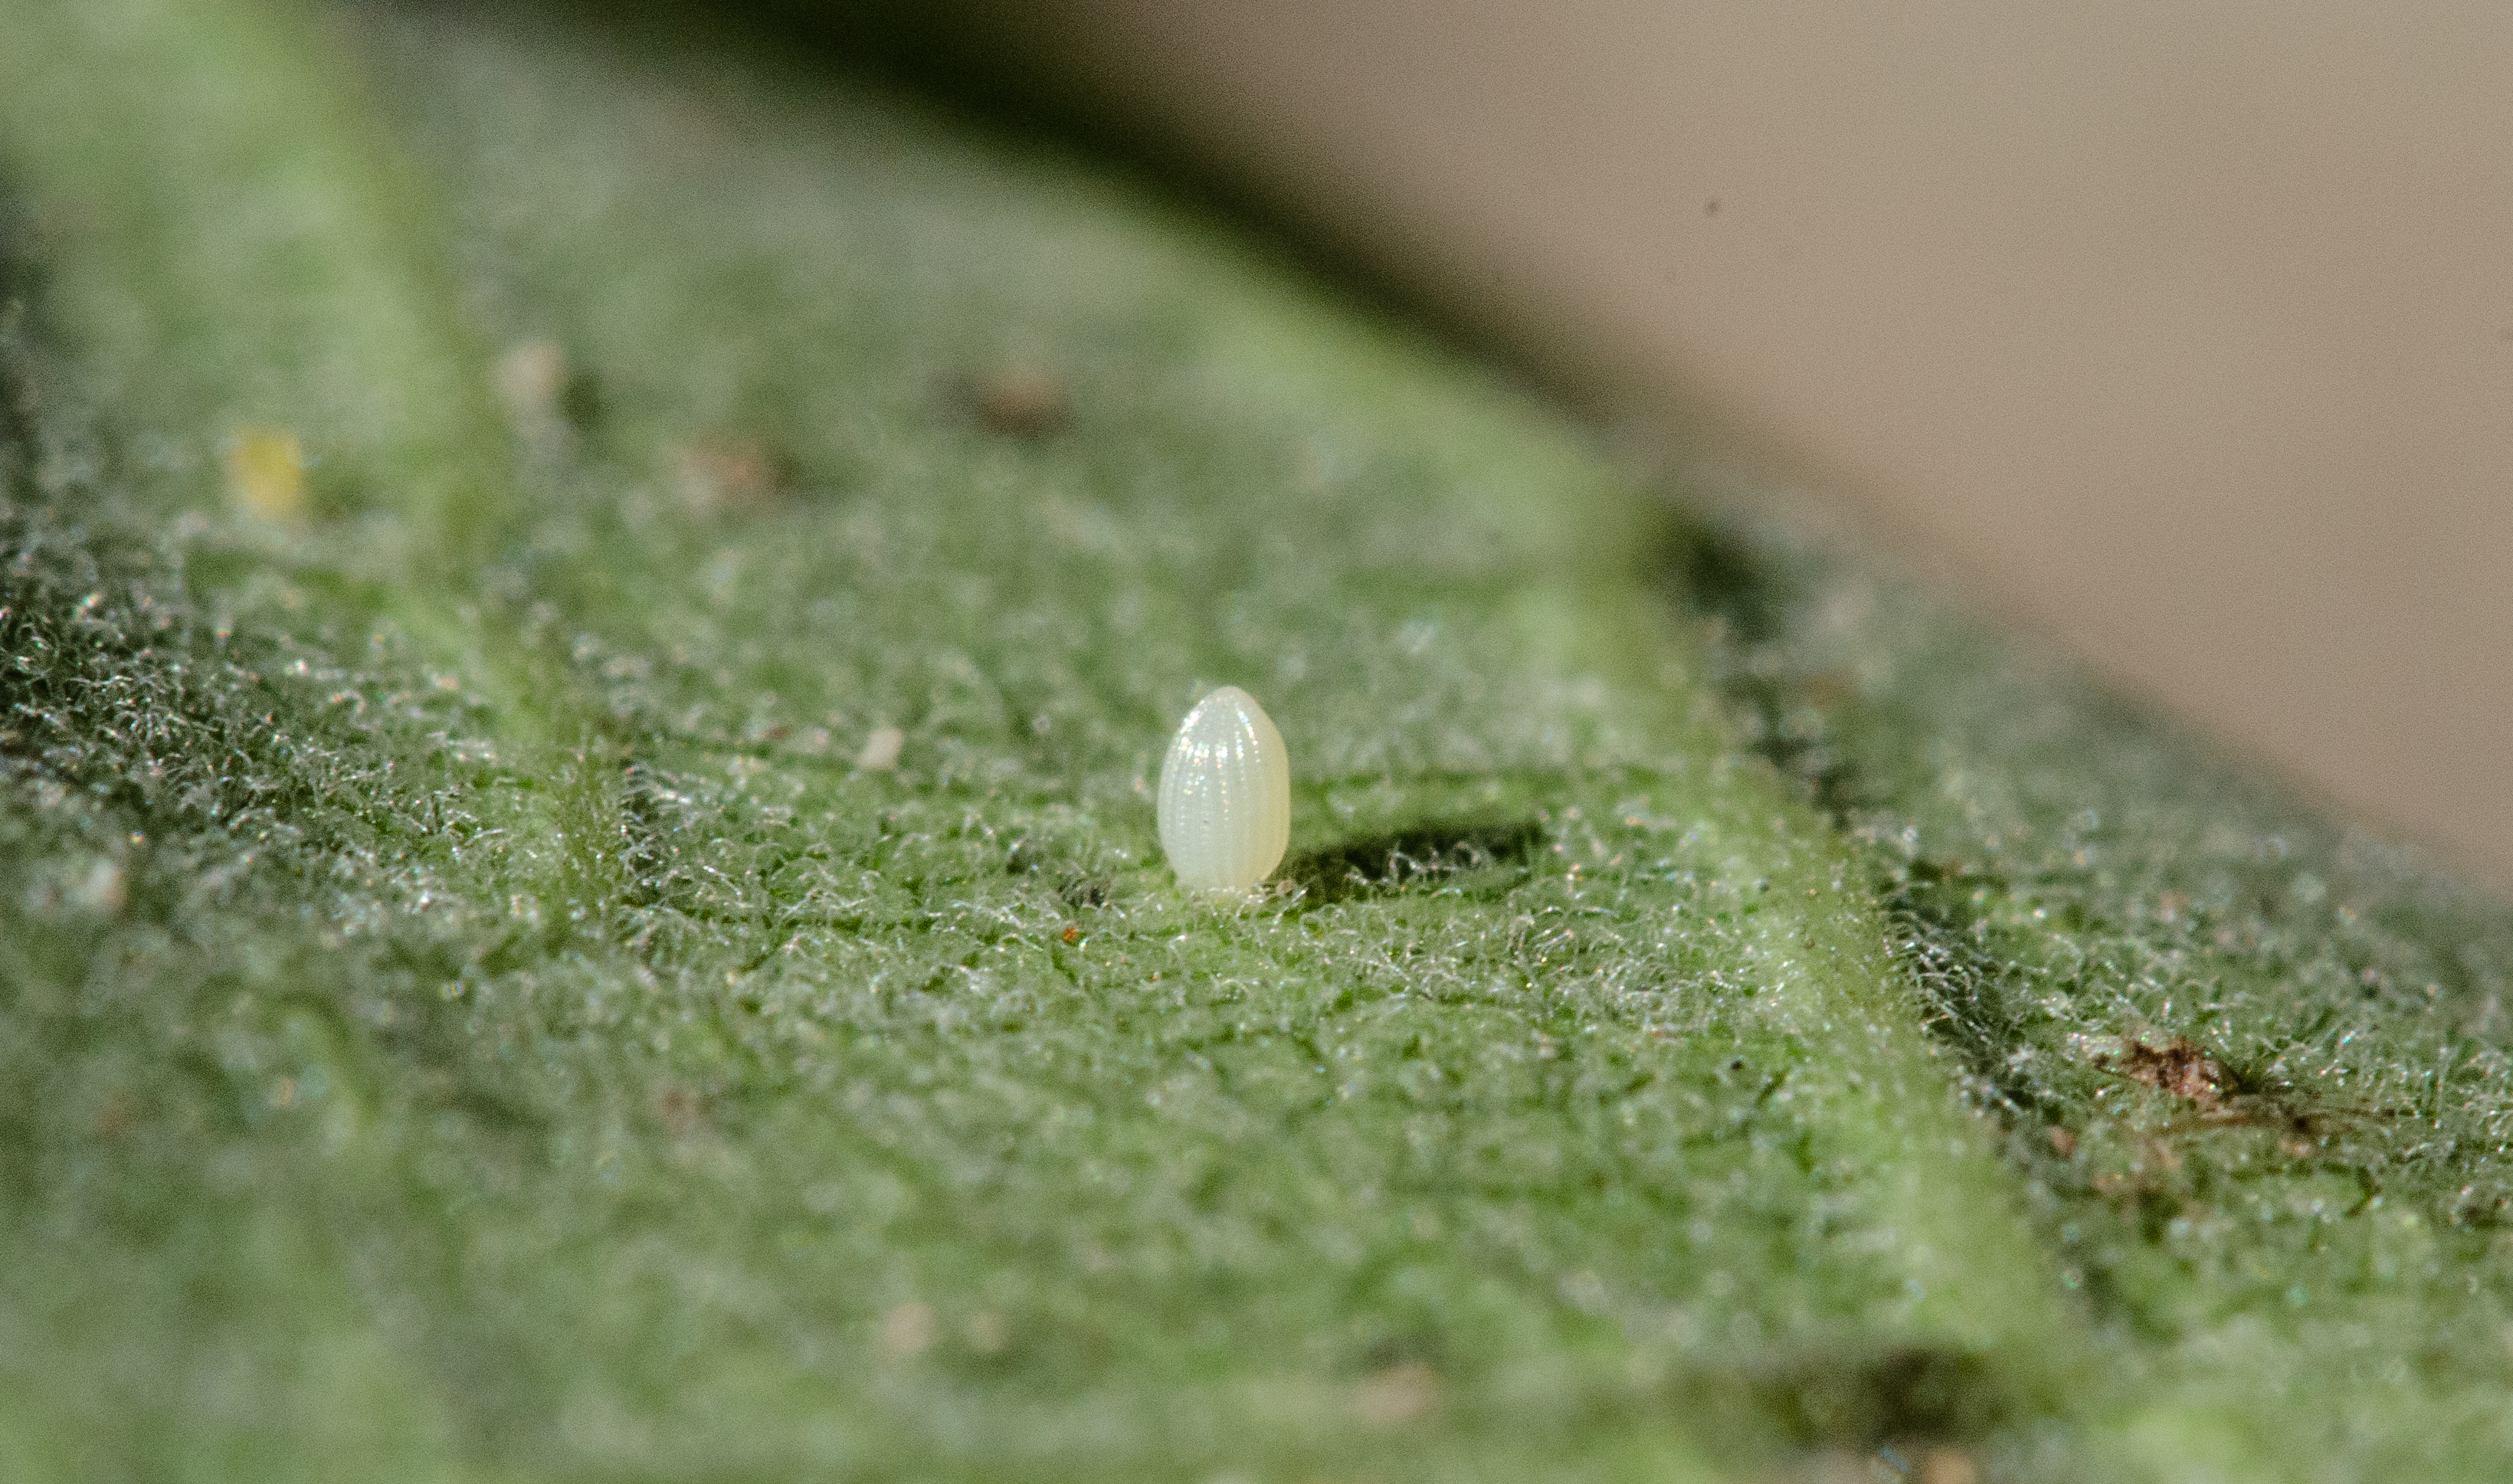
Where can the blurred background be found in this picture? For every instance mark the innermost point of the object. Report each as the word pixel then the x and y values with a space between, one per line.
pixel 2181 333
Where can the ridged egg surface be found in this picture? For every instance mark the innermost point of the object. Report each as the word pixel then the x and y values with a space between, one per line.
pixel 1225 795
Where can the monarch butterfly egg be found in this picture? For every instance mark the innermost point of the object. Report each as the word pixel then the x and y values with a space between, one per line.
pixel 1225 795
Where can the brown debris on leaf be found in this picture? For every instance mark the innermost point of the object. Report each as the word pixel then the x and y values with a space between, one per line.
pixel 2221 1100
pixel 2178 1067
pixel 731 478
pixel 1018 403
pixel 1828 688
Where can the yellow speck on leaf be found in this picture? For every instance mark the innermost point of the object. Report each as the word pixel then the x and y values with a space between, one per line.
pixel 266 474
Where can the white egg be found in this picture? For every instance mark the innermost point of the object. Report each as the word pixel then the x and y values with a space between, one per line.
pixel 1225 794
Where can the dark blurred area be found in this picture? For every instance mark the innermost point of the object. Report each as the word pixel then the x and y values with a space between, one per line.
pixel 2182 334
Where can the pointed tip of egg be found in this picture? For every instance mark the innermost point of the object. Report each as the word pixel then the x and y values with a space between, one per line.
pixel 1225 800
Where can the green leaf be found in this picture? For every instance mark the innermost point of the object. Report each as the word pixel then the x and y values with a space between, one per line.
pixel 623 933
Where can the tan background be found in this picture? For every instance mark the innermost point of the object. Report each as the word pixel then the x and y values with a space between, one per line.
pixel 2183 331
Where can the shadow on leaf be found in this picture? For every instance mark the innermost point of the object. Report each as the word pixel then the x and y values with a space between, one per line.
pixel 1387 863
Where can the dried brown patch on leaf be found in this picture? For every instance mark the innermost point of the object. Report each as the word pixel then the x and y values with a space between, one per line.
pixel 1018 403
pixel 2178 1067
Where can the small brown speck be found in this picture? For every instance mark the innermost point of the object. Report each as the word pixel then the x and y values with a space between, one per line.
pixel 731 478
pixel 1830 688
pixel 1072 935
pixel 679 1110
pixel 1020 404
pixel 1710 208
pixel 2062 1143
